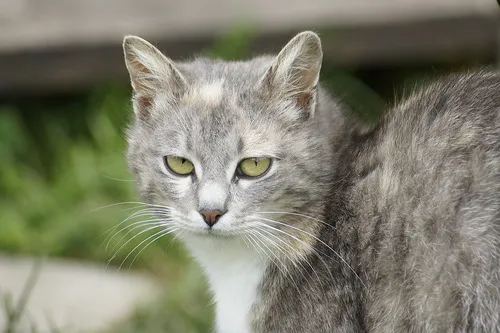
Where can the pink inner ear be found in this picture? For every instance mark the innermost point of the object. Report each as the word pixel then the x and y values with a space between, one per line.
pixel 305 94
pixel 138 74
pixel 144 102
pixel 304 99
pixel 139 78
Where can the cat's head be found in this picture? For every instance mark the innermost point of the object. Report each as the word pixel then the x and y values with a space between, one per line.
pixel 224 148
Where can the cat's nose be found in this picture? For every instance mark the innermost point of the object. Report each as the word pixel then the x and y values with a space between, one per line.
pixel 211 216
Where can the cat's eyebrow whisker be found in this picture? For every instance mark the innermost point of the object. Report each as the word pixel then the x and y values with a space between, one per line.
pixel 138 224
pixel 161 233
pixel 317 239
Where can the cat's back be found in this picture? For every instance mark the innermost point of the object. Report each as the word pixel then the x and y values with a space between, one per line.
pixel 462 106
pixel 428 200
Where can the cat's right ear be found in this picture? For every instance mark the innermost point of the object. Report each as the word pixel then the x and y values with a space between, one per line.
pixel 151 73
pixel 294 74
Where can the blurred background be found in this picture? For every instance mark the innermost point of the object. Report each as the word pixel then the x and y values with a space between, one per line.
pixel 66 262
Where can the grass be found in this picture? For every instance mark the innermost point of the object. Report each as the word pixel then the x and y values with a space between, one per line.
pixel 14 311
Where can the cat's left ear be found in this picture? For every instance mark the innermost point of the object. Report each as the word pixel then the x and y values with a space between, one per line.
pixel 294 74
pixel 151 73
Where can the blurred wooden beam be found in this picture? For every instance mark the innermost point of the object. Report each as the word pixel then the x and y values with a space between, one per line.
pixel 48 45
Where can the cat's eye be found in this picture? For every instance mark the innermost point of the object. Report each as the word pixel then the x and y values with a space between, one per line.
pixel 253 167
pixel 179 165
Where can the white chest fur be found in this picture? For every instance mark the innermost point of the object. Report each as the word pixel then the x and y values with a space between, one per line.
pixel 234 272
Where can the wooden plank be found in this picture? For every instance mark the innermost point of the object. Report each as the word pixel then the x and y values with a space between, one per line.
pixel 28 24
pixel 55 44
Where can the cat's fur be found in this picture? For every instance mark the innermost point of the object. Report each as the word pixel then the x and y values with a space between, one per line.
pixel 394 228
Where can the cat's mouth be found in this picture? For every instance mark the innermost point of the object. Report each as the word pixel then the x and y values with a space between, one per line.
pixel 213 233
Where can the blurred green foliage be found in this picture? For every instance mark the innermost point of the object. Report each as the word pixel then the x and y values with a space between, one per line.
pixel 63 164
pixel 234 44
pixel 59 163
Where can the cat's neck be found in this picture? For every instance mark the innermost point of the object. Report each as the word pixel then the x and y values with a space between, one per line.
pixel 234 271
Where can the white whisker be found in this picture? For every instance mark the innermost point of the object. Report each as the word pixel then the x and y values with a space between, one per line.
pixel 318 254
pixel 118 179
pixel 141 204
pixel 285 267
pixel 141 212
pixel 302 215
pixel 168 231
pixel 282 267
pixel 314 237
pixel 121 247
pixel 138 245
pixel 301 256
pixel 139 224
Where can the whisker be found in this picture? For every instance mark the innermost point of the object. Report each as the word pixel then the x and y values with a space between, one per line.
pixel 284 253
pixel 177 235
pixel 244 238
pixel 300 240
pixel 139 224
pixel 317 239
pixel 138 234
pixel 168 231
pixel 141 212
pixel 251 235
pixel 117 179
pixel 130 203
pixel 253 245
pixel 302 215
pixel 120 204
pixel 142 242
pixel 302 257
pixel 283 269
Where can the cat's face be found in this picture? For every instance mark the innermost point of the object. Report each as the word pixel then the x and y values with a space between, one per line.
pixel 224 148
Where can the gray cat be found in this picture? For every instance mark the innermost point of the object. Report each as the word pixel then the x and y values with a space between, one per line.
pixel 306 221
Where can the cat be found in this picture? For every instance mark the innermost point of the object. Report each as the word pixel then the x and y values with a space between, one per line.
pixel 304 219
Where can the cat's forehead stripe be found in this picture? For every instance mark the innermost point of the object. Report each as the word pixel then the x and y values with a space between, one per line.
pixel 208 94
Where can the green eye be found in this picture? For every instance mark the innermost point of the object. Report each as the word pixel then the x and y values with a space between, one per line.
pixel 179 165
pixel 254 167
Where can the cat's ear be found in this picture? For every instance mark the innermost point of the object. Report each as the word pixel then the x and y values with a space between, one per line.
pixel 150 73
pixel 294 73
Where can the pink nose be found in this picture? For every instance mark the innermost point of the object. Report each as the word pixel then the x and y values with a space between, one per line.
pixel 211 216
